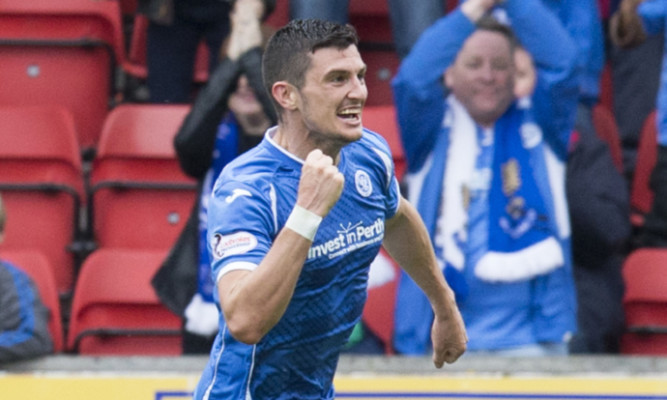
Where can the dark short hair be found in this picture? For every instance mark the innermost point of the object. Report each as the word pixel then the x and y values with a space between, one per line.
pixel 287 55
pixel 490 23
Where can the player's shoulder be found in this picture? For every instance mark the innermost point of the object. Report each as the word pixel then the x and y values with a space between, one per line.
pixel 373 139
pixel 259 170
pixel 371 149
pixel 257 164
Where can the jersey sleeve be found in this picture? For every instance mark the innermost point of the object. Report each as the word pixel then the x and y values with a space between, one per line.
pixel 391 186
pixel 241 226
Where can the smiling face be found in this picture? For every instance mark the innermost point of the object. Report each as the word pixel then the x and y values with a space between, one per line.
pixel 333 95
pixel 482 77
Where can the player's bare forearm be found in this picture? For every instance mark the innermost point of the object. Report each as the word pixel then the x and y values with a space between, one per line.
pixel 408 242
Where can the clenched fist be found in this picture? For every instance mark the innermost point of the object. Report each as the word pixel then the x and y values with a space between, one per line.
pixel 321 184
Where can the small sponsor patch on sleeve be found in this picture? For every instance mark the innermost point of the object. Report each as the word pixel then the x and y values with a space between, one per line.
pixel 233 244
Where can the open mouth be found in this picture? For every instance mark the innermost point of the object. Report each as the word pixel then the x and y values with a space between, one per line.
pixel 352 114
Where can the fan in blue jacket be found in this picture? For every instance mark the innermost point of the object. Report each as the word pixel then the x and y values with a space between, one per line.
pixel 487 172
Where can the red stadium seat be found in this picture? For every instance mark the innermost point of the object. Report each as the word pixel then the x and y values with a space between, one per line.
pixel 371 20
pixel 606 87
pixel 139 197
pixel 41 184
pixel 383 120
pixel 382 65
pixel 62 52
pixel 607 130
pixel 645 302
pixel 115 310
pixel 641 195
pixel 37 266
pixel 128 7
pixel 376 45
pixel 280 15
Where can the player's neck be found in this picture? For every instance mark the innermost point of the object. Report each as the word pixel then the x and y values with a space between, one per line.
pixel 300 142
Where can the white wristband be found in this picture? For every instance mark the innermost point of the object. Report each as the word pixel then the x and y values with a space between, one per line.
pixel 303 222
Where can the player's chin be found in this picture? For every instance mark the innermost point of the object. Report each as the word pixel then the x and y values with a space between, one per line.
pixel 353 135
pixel 350 133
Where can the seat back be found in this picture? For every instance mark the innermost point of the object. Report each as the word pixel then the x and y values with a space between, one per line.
pixel 139 197
pixel 607 87
pixel 645 302
pixel 115 309
pixel 64 53
pixel 376 45
pixel 38 268
pixel 41 184
pixel 641 195
pixel 383 120
pixel 280 14
pixel 382 65
pixel 607 130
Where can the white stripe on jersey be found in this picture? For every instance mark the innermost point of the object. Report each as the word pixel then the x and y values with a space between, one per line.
pixel 207 394
pixel 235 266
pixel 274 208
pixel 248 396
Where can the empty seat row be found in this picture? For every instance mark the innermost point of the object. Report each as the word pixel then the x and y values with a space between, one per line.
pixel 72 53
pixel 135 195
pixel 62 53
pixel 41 184
pixel 114 309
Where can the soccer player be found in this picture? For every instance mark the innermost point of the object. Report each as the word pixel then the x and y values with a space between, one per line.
pixel 295 223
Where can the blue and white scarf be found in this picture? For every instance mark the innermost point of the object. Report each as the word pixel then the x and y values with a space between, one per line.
pixel 495 203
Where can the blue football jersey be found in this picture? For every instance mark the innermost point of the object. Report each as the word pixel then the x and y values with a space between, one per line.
pixel 251 201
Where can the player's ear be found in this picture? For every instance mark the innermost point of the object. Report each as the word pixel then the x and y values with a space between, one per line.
pixel 285 94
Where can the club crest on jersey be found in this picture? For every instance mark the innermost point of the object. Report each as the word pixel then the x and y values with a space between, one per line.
pixel 363 183
pixel 229 245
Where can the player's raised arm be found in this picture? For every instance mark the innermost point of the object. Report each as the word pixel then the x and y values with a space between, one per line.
pixel 254 301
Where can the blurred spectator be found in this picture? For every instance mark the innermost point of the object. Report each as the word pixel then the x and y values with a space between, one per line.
pixel 24 331
pixel 583 21
pixel 175 29
pixel 598 202
pixel 631 24
pixel 408 20
pixel 635 59
pixel 487 172
pixel 229 116
pixel 597 194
